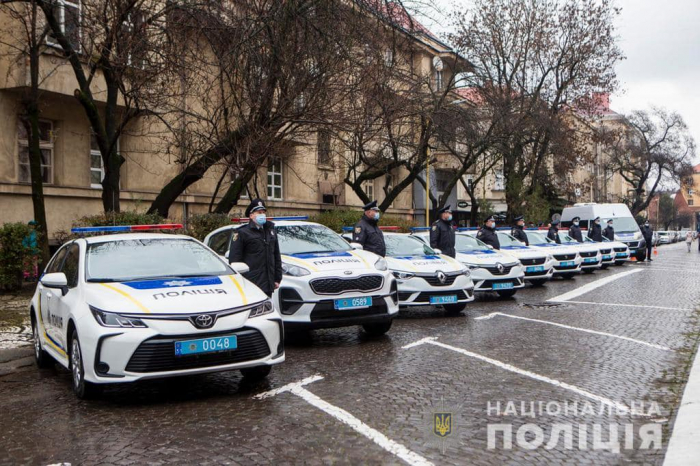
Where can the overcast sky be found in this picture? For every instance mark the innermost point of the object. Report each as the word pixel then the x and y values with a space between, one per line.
pixel 661 40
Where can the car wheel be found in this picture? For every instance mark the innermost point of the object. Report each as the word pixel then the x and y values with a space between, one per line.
pixel 641 255
pixel 588 270
pixel 82 389
pixel 567 276
pixel 254 374
pixel 42 358
pixel 538 282
pixel 604 266
pixel 619 263
pixel 454 309
pixel 377 329
pixel 506 293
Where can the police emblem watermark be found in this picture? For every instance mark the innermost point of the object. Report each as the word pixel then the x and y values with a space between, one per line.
pixel 442 424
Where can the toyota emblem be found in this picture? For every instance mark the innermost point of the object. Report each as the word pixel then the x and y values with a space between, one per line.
pixel 441 276
pixel 203 321
pixel 500 268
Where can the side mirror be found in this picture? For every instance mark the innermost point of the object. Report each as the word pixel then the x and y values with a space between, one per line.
pixel 226 254
pixel 356 246
pixel 438 251
pixel 240 267
pixel 490 247
pixel 57 281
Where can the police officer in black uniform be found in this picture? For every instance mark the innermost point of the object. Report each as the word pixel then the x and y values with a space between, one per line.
pixel 648 235
pixel 256 244
pixel 553 232
pixel 609 231
pixel 488 235
pixel 517 231
pixel 575 230
pixel 442 235
pixel 367 232
pixel 595 233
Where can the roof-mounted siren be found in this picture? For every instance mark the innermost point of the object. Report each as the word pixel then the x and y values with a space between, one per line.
pixel 127 228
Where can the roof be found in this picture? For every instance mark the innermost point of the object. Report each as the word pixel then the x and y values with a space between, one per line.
pixel 696 168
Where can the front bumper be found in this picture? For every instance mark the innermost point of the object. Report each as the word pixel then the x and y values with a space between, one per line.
pixel 416 291
pixel 573 261
pixel 594 262
pixel 486 281
pixel 545 272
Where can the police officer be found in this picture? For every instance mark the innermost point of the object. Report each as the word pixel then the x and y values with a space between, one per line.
pixel 595 233
pixel 256 244
pixel 488 235
pixel 648 235
pixel 367 232
pixel 517 231
pixel 575 230
pixel 553 232
pixel 609 231
pixel 442 235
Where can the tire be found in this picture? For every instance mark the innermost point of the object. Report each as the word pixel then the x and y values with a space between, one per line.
pixel 604 266
pixel 567 276
pixel 619 263
pixel 41 357
pixel 377 329
pixel 454 309
pixel 538 282
pixel 506 293
pixel 254 374
pixel 83 390
pixel 641 255
pixel 589 271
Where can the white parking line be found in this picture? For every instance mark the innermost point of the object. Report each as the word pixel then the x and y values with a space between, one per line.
pixel 396 449
pixel 592 286
pixel 432 341
pixel 595 332
pixel 632 305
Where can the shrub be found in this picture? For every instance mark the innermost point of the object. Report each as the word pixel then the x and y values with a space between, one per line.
pixel 200 225
pixel 120 218
pixel 14 255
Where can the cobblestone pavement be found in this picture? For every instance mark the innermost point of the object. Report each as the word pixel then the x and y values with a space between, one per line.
pixel 624 344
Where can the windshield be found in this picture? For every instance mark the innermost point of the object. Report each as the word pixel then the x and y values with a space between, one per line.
pixel 400 245
pixel 144 259
pixel 466 243
pixel 566 238
pixel 307 239
pixel 622 224
pixel 507 240
pixel 535 237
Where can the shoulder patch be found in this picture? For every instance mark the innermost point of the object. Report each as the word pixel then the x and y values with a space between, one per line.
pixel 358 229
pixel 234 237
pixel 434 227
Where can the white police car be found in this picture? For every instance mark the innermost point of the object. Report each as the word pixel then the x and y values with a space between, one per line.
pixel 490 270
pixel 606 251
pixel 425 277
pixel 123 307
pixel 567 260
pixel 590 253
pixel 326 282
pixel 620 250
pixel 539 265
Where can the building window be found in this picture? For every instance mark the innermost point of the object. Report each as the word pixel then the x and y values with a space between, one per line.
pixel 97 169
pixel 68 16
pixel 690 202
pixel 368 188
pixel 438 80
pixel 469 181
pixel 134 39
pixel 389 57
pixel 274 180
pixel 323 147
pixel 46 146
pixel 499 185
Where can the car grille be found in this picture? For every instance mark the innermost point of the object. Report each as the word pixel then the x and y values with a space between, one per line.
pixel 433 280
pixel 620 249
pixel 565 257
pixel 568 267
pixel 342 285
pixel 632 244
pixel 532 261
pixel 494 270
pixel 605 251
pixel 424 297
pixel 157 354
pixel 589 254
pixel 326 311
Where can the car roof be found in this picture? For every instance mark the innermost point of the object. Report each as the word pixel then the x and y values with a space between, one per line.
pixel 132 236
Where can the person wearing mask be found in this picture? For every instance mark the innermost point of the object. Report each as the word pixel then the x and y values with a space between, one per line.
pixel 575 230
pixel 648 235
pixel 553 232
pixel 487 234
pixel 255 244
pixel 517 231
pixel 609 231
pixel 442 235
pixel 595 233
pixel 367 232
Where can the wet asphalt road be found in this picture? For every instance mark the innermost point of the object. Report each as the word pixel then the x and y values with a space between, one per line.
pixel 395 391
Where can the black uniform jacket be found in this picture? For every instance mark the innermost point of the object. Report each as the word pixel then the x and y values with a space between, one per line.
pixel 442 237
pixel 596 234
pixel 368 234
pixel 609 233
pixel 553 234
pixel 260 250
pixel 489 236
pixel 518 233
pixel 575 233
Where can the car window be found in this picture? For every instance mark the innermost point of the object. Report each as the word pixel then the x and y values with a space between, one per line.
pixel 307 239
pixel 534 237
pixel 466 243
pixel 404 245
pixel 71 264
pixel 220 241
pixel 507 240
pixel 55 264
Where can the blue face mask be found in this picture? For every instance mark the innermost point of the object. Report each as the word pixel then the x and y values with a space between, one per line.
pixel 261 219
pixel 376 215
pixel 449 218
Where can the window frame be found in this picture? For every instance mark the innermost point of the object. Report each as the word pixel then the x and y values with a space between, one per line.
pixel 327 149
pixel 271 185
pixel 102 162
pixel 62 21
pixel 130 26
pixel 499 182
pixel 368 184
pixel 43 145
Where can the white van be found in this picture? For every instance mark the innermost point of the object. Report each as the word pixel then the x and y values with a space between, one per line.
pixel 626 229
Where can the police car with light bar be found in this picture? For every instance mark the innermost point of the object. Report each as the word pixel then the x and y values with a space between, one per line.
pixel 127 306
pixel 606 251
pixel 327 283
pixel 539 265
pixel 590 253
pixel 490 270
pixel 426 277
pixel 567 260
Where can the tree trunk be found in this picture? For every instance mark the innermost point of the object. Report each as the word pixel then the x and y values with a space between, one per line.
pixel 233 193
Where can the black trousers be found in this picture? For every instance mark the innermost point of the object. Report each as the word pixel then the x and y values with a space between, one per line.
pixel 649 248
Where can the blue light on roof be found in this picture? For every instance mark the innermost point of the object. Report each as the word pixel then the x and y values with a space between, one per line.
pixel 112 229
pixel 467 229
pixel 347 228
pixel 420 228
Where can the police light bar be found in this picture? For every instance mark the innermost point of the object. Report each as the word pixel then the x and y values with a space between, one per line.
pixel 246 219
pixel 419 228
pixel 468 229
pixel 503 229
pixel 391 228
pixel 348 228
pixel 127 228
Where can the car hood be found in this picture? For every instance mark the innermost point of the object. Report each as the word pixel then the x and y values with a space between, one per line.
pixel 488 257
pixel 424 264
pixel 522 252
pixel 174 295
pixel 333 261
pixel 554 248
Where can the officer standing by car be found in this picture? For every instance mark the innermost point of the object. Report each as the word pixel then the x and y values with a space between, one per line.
pixel 488 235
pixel 517 231
pixel 553 232
pixel 648 235
pixel 595 233
pixel 575 230
pixel 256 244
pixel 609 231
pixel 442 235
pixel 367 232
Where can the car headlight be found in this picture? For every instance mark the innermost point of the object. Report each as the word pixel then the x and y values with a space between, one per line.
pixel 466 272
pixel 380 264
pixel 110 319
pixel 403 275
pixel 261 309
pixel 294 270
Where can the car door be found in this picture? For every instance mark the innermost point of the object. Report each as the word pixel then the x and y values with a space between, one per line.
pixel 47 295
pixel 61 304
